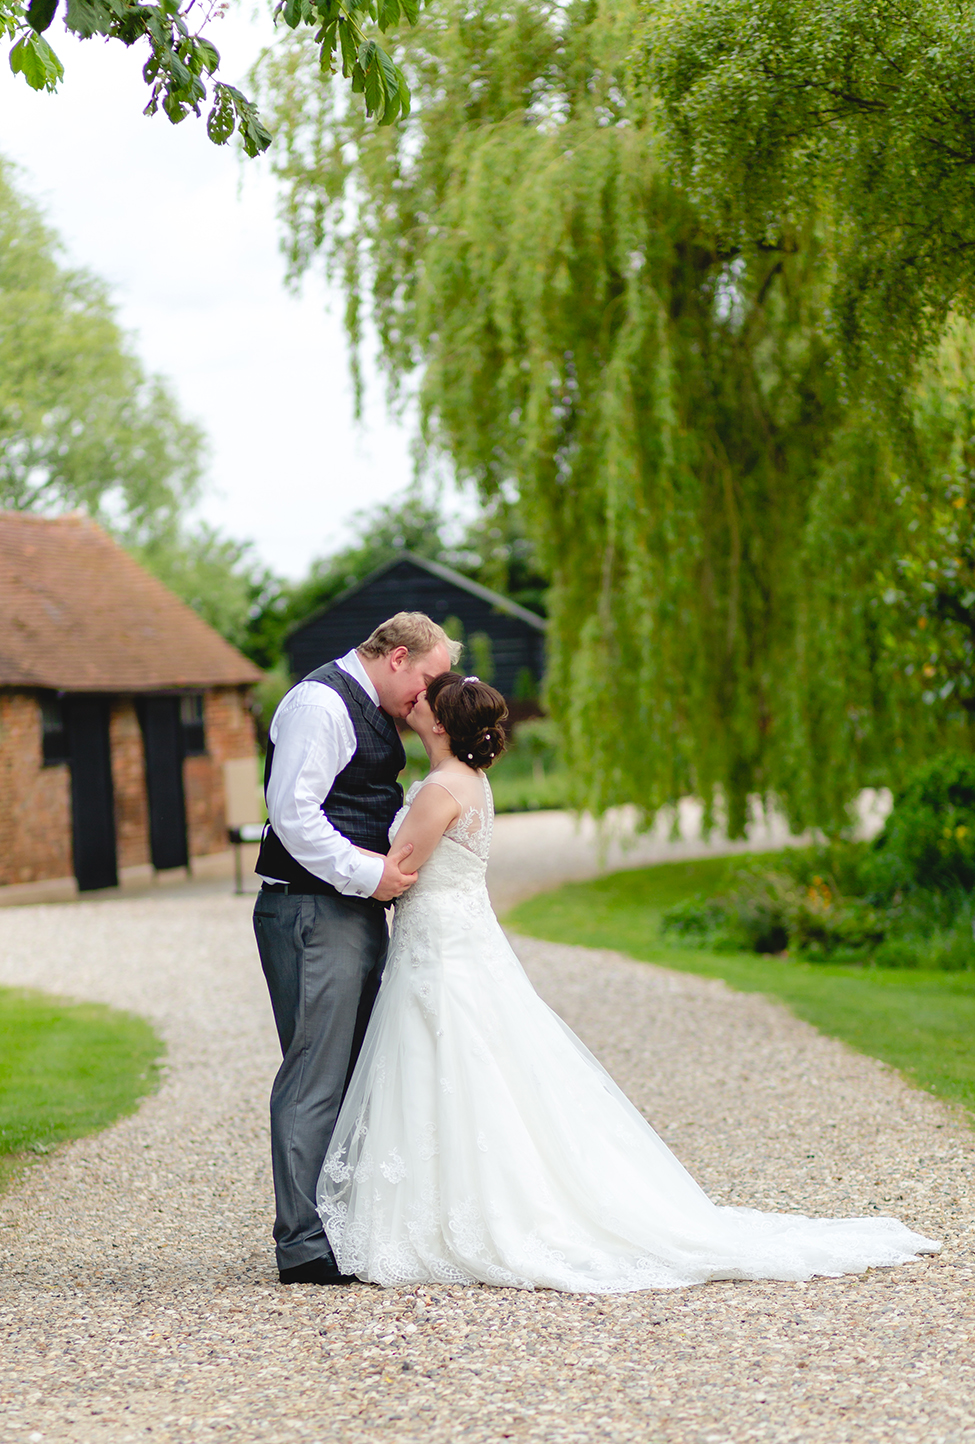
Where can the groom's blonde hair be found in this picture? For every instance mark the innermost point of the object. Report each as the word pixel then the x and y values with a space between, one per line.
pixel 413 630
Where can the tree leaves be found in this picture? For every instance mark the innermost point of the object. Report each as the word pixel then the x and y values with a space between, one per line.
pixel 81 424
pixel 179 61
pixel 89 17
pixel 372 71
pixel 857 114
pixel 83 427
pixel 34 59
pixel 40 13
pixel 231 110
pixel 373 75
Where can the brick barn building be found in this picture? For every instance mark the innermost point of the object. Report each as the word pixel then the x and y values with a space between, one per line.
pixel 118 708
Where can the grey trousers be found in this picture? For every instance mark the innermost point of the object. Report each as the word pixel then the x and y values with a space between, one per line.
pixel 323 957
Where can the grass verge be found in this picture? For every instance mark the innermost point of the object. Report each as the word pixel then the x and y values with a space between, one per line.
pixel 66 1070
pixel 921 1022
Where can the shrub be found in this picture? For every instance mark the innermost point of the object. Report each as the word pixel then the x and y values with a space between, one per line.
pixel 848 868
pixel 773 912
pixel 928 841
pixel 904 901
pixel 919 939
pixel 824 924
pixel 701 921
pixel 759 911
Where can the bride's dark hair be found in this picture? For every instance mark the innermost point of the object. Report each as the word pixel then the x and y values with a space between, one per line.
pixel 471 714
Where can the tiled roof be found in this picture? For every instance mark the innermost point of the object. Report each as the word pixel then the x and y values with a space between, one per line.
pixel 78 614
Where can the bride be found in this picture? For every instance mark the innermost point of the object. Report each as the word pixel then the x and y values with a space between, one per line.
pixel 479 1140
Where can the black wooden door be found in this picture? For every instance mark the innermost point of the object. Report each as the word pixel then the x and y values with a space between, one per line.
pixel 92 802
pixel 164 781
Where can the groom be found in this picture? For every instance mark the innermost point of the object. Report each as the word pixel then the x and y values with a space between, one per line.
pixel 333 758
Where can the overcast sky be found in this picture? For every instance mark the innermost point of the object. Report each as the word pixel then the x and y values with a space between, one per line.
pixel 186 235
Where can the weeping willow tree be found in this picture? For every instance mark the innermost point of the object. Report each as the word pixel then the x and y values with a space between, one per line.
pixel 714 505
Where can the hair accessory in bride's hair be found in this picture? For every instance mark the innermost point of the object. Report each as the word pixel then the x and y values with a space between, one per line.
pixel 470 713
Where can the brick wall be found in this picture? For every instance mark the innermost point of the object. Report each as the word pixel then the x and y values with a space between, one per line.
pixel 35 801
pixel 230 733
pixel 129 784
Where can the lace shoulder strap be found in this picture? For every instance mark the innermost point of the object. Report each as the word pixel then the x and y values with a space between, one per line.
pixel 463 796
pixel 472 827
pixel 488 797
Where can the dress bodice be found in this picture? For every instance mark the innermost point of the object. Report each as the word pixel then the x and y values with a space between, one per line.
pixel 458 863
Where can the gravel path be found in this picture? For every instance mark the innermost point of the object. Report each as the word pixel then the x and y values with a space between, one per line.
pixel 138 1299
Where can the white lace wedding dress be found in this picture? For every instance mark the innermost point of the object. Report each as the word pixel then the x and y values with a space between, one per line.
pixel 480 1141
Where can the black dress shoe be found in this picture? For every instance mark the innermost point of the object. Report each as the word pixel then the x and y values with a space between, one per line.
pixel 315 1271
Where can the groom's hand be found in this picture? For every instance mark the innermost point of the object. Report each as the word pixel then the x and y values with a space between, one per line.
pixel 394 880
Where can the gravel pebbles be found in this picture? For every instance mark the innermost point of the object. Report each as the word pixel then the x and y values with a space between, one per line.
pixel 138 1299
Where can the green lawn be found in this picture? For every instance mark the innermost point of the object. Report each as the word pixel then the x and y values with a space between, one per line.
pixel 921 1022
pixel 66 1069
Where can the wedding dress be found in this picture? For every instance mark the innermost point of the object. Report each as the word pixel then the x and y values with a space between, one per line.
pixel 480 1141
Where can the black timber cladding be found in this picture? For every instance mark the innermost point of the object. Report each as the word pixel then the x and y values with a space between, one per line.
pixel 412 584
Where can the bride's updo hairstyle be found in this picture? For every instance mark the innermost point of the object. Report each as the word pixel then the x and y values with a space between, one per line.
pixel 471 713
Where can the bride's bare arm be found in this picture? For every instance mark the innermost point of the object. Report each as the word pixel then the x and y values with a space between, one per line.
pixel 431 813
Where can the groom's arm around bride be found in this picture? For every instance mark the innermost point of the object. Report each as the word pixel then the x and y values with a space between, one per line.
pixel 333 760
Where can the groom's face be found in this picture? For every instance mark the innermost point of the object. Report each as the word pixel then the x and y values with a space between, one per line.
pixel 406 679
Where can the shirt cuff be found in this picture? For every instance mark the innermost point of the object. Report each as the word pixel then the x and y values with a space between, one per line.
pixel 366 876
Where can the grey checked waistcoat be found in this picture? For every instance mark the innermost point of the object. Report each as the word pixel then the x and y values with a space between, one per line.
pixel 364 797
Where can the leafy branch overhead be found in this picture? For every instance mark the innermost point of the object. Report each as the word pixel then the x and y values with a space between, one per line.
pixel 182 65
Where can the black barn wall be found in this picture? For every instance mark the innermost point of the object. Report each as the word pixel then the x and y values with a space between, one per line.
pixel 406 588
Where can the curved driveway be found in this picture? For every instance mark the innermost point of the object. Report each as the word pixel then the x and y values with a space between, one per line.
pixel 138 1299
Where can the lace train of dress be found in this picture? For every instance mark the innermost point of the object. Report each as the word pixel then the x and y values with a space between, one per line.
pixel 480 1141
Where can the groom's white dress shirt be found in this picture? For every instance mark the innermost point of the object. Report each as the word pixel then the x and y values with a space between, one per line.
pixel 313 741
